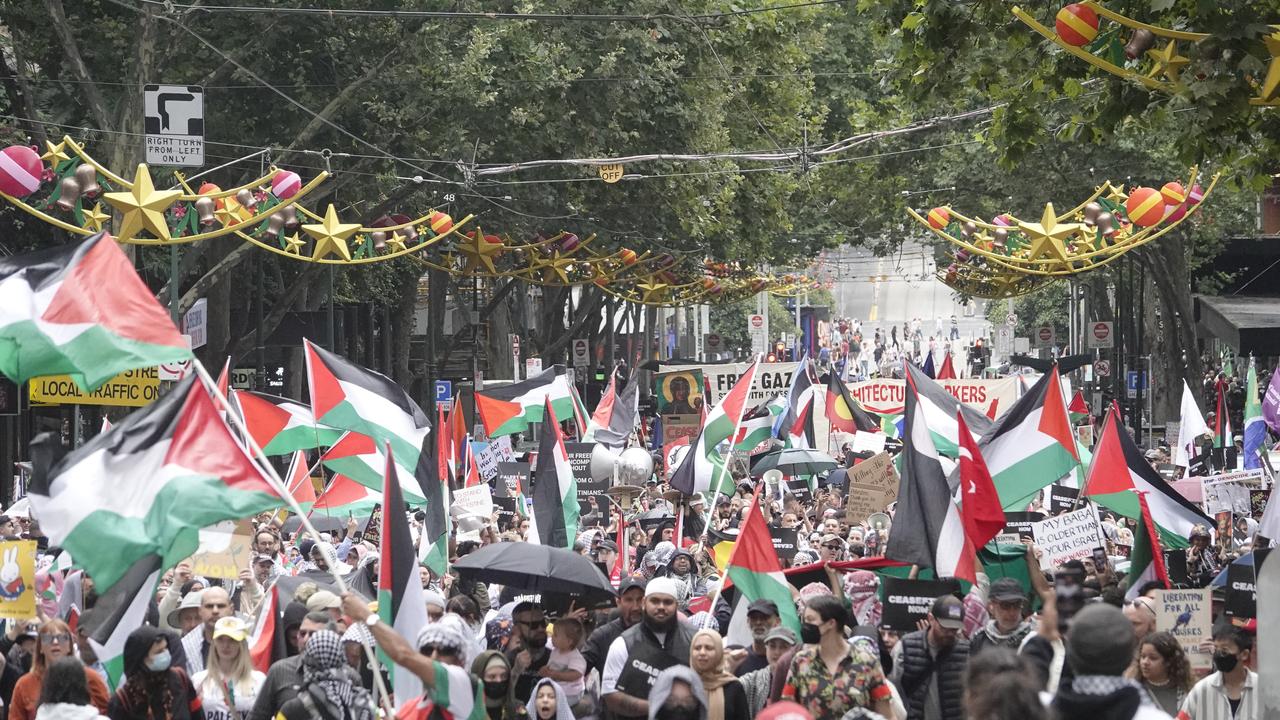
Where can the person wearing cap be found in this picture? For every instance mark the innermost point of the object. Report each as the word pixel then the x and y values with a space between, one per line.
pixel 756 683
pixel 630 605
pixel 762 618
pixel 634 659
pixel 229 673
pixel 215 604
pixel 606 554
pixel 831 548
pixel 929 664
pixel 1006 626
pixel 1099 647
pixel 326 602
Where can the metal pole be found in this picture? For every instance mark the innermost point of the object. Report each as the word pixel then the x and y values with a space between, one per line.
pixel 173 284
pixel 333 332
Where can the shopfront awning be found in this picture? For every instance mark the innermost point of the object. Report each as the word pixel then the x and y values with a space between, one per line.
pixel 1250 324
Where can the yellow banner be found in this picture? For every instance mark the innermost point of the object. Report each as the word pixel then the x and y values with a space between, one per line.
pixel 134 388
pixel 18 579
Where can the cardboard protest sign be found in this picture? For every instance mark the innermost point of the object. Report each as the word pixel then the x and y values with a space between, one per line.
pixel 784 542
pixel 1021 522
pixel 224 549
pixel 486 460
pixel 1070 536
pixel 18 579
pixel 476 500
pixel 1062 498
pixel 906 602
pixel 873 486
pixel 1188 616
pixel 862 502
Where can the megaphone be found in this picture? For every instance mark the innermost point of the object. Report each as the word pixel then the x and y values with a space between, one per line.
pixel 603 461
pixel 635 466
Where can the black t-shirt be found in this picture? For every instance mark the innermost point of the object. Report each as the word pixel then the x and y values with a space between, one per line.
pixel 525 681
pixel 752 662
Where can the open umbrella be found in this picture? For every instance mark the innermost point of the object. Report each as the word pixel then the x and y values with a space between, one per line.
pixel 1245 560
pixel 650 519
pixel 539 569
pixel 793 462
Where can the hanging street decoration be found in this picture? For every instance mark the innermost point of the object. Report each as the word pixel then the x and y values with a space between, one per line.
pixel 1150 55
pixel 1012 256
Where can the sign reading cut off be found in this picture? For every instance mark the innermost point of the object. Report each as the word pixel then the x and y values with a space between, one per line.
pixel 611 173
pixel 134 388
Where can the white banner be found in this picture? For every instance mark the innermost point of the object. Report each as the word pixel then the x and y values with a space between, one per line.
pixel 1070 536
pixel 887 396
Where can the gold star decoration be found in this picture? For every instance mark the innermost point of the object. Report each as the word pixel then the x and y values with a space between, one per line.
pixel 55 153
pixel 143 207
pixel 331 235
pixel 1271 84
pixel 480 253
pixel 293 244
pixel 395 243
pixel 94 219
pixel 1117 194
pixel 227 215
pixel 652 290
pixel 1047 236
pixel 1168 62
pixel 554 268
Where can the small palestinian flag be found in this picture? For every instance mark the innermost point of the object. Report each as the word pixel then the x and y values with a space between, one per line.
pixel 298 480
pixel 121 610
pixel 1223 437
pixel 345 496
pixel 280 425
pixel 1078 409
pixel 433 546
pixel 757 425
pixel 703 468
pixel 146 487
pixel 347 396
pixel 755 570
pixel 555 491
pixel 1146 562
pixel 401 604
pixel 359 458
pixel 509 409
pixel 267 641
pixel 81 310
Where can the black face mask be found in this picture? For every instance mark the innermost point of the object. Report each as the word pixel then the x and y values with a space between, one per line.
pixel 496 690
pixel 679 712
pixel 1225 662
pixel 810 634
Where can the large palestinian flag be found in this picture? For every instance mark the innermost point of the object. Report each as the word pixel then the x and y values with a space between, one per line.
pixel 1033 444
pixel 703 468
pixel 347 396
pixel 81 310
pixel 147 486
pixel 1119 471
pixel 755 570
pixel 555 492
pixel 938 409
pixel 509 409
pixel 400 601
pixel 121 610
pixel 359 458
pixel 280 425
pixel 616 416
pixel 798 420
pixel 758 424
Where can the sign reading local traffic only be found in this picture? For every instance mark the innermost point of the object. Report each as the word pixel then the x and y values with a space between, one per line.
pixel 173 122
pixel 1100 336
pixel 581 352
pixel 1043 336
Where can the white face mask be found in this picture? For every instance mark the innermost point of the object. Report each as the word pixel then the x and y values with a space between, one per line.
pixel 160 662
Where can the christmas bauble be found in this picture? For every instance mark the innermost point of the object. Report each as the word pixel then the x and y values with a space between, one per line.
pixel 285 184
pixel 939 217
pixel 1077 24
pixel 1145 206
pixel 1173 193
pixel 20 170
pixel 440 222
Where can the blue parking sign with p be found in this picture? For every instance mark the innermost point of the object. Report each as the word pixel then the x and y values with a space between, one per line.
pixel 444 392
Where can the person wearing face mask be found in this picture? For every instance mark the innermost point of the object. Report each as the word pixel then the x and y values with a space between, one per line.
pixel 495 674
pixel 831 675
pixel 659 641
pixel 677 695
pixel 1231 692
pixel 929 665
pixel 154 688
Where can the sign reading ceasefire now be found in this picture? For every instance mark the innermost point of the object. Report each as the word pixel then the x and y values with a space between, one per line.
pixel 134 388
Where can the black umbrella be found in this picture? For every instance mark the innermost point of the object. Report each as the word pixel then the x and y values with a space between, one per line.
pixel 538 569
pixel 793 462
pixel 650 519
pixel 324 523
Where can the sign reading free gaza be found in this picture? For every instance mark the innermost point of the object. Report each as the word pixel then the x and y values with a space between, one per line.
pixel 134 388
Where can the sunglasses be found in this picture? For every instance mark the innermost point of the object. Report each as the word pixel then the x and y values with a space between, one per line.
pixel 833 546
pixel 441 649
pixel 52 639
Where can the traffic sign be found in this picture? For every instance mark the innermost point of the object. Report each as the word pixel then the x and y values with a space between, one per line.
pixel 714 342
pixel 1004 340
pixel 444 393
pixel 173 123
pixel 1103 368
pixel 1135 380
pixel 173 371
pixel 581 353
pixel 1043 336
pixel 1100 336
pixel 1011 319
pixel 756 322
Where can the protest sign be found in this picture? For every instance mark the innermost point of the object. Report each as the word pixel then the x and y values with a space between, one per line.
pixel 1188 616
pixel 676 427
pixel 1231 491
pixel 1241 599
pixel 1006 538
pixel 224 549
pixel 784 542
pixel 373 529
pixel 475 500
pixel 876 471
pixel 1062 498
pixel 589 488
pixel 513 478
pixel 679 392
pixel 864 500
pixel 800 489
pixel 1020 522
pixel 1175 563
pixel 486 460
pixel 1224 520
pixel 906 602
pixel 1122 550
pixel 869 442
pixel 502 446
pixel 1070 536
pixel 18 579
pixel 506 511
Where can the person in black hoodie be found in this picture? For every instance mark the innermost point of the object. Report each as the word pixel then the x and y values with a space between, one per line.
pixel 155 688
pixel 1099 649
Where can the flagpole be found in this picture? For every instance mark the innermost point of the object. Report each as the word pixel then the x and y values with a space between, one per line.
pixel 282 488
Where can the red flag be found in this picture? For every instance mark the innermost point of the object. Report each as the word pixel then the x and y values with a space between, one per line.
pixel 473 474
pixel 604 408
pixel 991 409
pixel 619 569
pixel 442 444
pixel 224 377
pixel 948 371
pixel 458 437
pixel 266 643
pixel 980 510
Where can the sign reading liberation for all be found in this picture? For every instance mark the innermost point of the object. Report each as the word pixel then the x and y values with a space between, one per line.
pixel 134 388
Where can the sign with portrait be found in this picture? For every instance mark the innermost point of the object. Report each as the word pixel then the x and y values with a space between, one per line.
pixel 679 392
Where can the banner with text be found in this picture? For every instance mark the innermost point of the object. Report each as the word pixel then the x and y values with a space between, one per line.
pixel 1070 536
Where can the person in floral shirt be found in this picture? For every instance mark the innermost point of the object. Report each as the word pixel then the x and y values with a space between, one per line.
pixel 832 675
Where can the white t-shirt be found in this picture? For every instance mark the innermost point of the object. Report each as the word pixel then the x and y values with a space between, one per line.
pixel 215 702
pixel 571 660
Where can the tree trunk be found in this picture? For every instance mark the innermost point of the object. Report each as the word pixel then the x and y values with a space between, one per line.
pixel 1175 352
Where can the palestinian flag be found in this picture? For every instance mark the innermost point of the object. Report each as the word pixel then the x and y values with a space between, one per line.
pixel 81 310
pixel 345 496
pixel 928 368
pixel 347 396
pixel 581 418
pixel 359 458
pixel 1119 472
pixel 298 480
pixel 1222 435
pixel 798 420
pixel 980 510
pixel 1255 430
pixel 469 470
pixel 757 425
pixel 400 602
pixel 938 409
pixel 947 371
pixel 1146 561
pixel 845 414
pixel 1078 410
pixel 617 414
pixel 121 610
pixel 267 641
pixel 509 409
pixel 755 570
pixel 1033 445
pixel 280 425
pixel 702 468
pixel 146 487
pixel 555 491
pixel 433 546
pixel 927 529
pixel 455 694
pixel 800 435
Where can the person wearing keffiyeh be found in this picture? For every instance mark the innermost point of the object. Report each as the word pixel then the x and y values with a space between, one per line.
pixel 330 688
